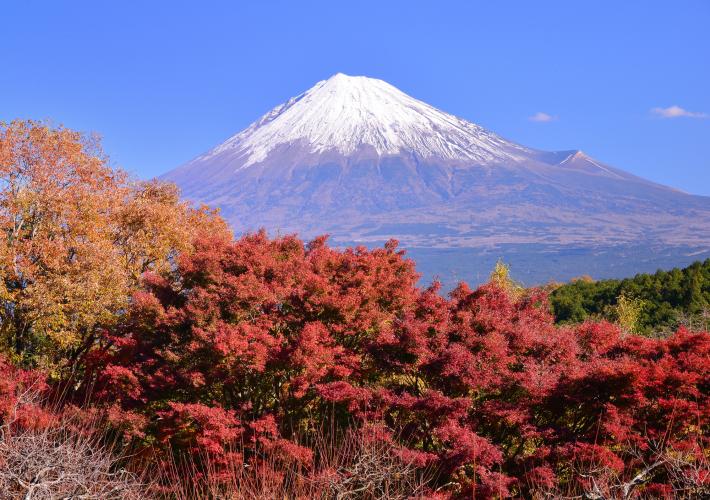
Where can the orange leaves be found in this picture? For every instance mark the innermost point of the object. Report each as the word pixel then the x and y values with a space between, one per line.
pixel 56 198
pixel 75 237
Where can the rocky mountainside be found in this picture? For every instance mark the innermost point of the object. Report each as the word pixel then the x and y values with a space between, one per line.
pixel 358 159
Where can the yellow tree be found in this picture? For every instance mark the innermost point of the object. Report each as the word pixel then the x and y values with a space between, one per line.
pixel 76 235
pixel 628 313
pixel 501 277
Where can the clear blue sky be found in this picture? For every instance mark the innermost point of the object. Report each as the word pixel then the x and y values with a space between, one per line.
pixel 165 81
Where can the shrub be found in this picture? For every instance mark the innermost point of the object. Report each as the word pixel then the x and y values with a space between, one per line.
pixel 47 455
pixel 358 464
pixel 261 341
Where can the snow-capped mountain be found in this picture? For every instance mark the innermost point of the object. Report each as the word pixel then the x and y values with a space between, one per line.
pixel 359 159
pixel 349 113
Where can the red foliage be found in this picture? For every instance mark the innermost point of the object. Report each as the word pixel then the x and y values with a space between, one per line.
pixel 21 398
pixel 258 341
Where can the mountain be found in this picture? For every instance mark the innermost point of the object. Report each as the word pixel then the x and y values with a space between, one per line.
pixel 357 158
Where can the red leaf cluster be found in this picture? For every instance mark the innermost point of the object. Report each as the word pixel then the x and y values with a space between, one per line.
pixel 258 341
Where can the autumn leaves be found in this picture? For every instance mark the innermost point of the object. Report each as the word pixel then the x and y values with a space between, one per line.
pixel 131 305
pixel 77 235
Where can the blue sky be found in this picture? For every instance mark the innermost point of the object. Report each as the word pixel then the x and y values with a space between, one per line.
pixel 164 81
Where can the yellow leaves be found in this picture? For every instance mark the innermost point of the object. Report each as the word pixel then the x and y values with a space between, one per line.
pixel 153 224
pixel 628 312
pixel 500 276
pixel 76 235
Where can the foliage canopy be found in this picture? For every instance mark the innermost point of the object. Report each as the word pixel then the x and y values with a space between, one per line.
pixel 75 237
pixel 669 299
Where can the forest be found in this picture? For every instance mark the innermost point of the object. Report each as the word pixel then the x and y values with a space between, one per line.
pixel 147 352
pixel 659 303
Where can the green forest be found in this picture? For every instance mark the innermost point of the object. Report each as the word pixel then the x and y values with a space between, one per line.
pixel 654 303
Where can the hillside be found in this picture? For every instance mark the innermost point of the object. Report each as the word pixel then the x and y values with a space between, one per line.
pixel 668 299
pixel 358 159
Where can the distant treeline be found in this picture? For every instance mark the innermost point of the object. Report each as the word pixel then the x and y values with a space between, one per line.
pixel 662 301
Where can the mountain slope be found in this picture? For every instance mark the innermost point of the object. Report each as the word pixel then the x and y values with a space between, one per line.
pixel 359 159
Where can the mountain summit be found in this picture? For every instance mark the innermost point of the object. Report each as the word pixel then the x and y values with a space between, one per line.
pixel 357 158
pixel 351 114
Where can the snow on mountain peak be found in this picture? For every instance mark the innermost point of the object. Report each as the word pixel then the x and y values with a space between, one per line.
pixel 346 113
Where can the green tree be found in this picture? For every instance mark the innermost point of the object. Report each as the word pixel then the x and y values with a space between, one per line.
pixel 669 298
